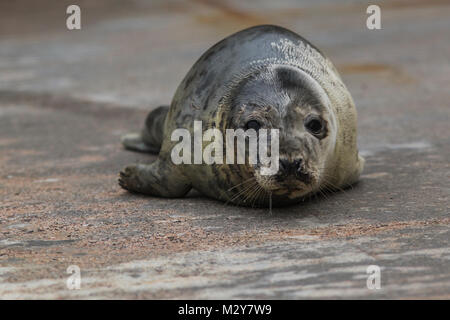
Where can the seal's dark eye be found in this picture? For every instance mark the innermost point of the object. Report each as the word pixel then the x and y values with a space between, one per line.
pixel 252 124
pixel 314 124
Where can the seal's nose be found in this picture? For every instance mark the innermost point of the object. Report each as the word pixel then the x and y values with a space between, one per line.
pixel 295 168
pixel 287 167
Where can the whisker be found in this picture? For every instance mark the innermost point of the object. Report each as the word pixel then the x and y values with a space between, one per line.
pixel 251 193
pixel 258 195
pixel 253 178
pixel 239 193
pixel 245 190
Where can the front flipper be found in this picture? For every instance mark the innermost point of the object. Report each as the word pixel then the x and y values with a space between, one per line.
pixel 160 178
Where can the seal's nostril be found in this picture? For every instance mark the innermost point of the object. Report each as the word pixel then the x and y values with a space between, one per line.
pixel 291 167
pixel 298 165
pixel 301 172
pixel 284 165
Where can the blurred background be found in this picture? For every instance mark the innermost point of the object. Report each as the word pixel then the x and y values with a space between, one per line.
pixel 135 53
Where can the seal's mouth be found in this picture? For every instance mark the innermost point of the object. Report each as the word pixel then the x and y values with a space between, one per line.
pixel 289 182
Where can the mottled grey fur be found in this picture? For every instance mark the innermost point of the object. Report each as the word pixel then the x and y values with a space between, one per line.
pixel 264 73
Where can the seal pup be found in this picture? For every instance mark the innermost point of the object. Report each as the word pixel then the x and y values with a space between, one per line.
pixel 262 77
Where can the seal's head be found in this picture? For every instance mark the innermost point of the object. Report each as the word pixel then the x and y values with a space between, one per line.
pixel 288 99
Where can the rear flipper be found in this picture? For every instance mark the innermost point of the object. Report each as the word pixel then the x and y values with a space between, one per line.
pixel 134 142
pixel 151 136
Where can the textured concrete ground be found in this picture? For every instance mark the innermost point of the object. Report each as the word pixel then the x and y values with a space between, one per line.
pixel 67 96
